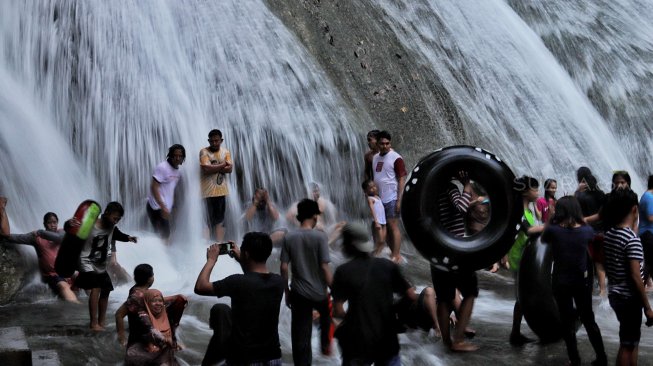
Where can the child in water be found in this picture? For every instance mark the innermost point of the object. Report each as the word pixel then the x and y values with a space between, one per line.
pixel 378 214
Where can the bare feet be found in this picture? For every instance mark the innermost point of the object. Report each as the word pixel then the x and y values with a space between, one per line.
pixel 397 259
pixel 495 268
pixel 97 328
pixel 463 346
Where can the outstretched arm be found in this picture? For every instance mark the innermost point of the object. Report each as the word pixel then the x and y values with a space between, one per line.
pixel 203 285
pixel 121 313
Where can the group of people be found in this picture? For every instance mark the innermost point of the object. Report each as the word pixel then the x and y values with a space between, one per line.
pixel 615 229
pixel 591 230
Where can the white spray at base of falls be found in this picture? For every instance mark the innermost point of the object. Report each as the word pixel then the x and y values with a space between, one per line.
pixel 117 83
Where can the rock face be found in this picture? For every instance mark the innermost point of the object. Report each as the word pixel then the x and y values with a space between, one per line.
pixel 12 273
pixel 380 80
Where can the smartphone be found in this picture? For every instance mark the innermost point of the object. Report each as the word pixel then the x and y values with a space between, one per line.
pixel 225 248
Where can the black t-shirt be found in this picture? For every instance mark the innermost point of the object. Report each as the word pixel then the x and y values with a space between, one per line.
pixel 255 302
pixel 368 284
pixel 569 250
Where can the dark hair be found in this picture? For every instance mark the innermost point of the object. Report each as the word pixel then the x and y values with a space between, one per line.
pixel 306 209
pixel 547 185
pixel 567 212
pixel 617 206
pixel 620 174
pixel 373 133
pixel 584 175
pixel 366 184
pixel 172 149
pixel 215 132
pixel 258 246
pixel 142 274
pixel 384 135
pixel 114 207
pixel 47 217
pixel 650 182
pixel 524 183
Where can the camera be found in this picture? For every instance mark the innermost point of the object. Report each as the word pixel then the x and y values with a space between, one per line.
pixel 225 248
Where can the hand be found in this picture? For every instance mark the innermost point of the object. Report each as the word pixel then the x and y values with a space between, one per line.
pixel 649 317
pixel 212 252
pixel 582 187
pixel 463 177
pixel 165 213
pixel 266 196
pixel 74 222
pixel 122 340
pixel 377 225
pixel 152 348
pixel 235 251
pixel 133 239
pixel 288 304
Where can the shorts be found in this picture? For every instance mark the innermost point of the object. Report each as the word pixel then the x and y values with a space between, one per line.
pixel 161 225
pixel 53 282
pixel 446 283
pixel 90 280
pixel 215 207
pixel 389 208
pixel 414 314
pixel 629 314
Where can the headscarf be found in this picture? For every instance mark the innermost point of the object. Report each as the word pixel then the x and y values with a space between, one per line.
pixel 159 322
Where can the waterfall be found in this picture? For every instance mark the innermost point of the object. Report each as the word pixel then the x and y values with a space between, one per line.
pixel 96 92
pixel 607 49
pixel 519 101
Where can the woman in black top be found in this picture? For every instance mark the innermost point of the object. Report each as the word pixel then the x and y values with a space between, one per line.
pixel 569 237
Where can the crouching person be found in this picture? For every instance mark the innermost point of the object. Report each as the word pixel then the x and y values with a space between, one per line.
pixel 247 332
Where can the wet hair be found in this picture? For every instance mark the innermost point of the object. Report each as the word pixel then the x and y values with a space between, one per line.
pixel 306 209
pixel 373 133
pixel 366 184
pixel 650 182
pixel 142 274
pixel 114 207
pixel 258 246
pixel 172 149
pixel 314 186
pixel 547 184
pixel 583 173
pixel 621 174
pixel 215 132
pixel 384 135
pixel 48 216
pixel 567 212
pixel 618 205
pixel 524 183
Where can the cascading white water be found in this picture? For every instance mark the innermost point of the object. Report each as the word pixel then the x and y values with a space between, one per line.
pixel 519 101
pixel 607 49
pixel 120 82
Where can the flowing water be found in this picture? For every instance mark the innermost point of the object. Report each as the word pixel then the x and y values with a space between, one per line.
pixel 94 93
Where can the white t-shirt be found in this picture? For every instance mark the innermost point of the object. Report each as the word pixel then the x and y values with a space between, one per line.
pixel 385 176
pixel 168 177
pixel 379 211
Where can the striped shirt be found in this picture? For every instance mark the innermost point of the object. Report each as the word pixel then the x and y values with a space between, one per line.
pixel 452 206
pixel 622 245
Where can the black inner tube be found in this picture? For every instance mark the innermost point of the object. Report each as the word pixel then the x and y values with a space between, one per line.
pixel 421 218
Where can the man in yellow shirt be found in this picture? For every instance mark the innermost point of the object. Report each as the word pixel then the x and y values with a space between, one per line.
pixel 215 164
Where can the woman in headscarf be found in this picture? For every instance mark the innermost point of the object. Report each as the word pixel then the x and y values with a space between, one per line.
pixel 160 317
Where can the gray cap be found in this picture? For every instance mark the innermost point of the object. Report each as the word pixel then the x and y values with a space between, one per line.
pixel 357 236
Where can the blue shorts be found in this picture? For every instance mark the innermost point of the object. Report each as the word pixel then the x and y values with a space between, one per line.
pixel 629 314
pixel 389 208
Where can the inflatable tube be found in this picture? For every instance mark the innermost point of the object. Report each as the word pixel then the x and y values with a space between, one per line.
pixel 535 292
pixel 420 214
pixel 71 246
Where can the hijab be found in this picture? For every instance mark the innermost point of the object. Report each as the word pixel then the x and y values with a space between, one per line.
pixel 159 321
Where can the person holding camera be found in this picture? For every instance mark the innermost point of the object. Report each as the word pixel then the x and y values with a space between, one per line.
pixel 247 332
pixel 261 215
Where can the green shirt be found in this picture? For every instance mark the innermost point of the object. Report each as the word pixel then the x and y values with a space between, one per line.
pixel 515 253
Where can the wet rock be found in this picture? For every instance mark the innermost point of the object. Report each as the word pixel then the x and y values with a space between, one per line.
pixel 12 273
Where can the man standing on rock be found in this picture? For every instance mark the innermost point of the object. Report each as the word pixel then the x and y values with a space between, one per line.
pixel 215 164
pixel 390 176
